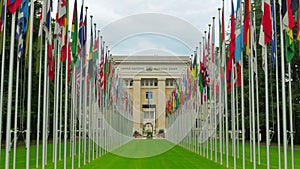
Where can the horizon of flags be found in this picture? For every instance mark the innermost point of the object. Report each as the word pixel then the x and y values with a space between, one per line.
pixel 91 80
pixel 242 44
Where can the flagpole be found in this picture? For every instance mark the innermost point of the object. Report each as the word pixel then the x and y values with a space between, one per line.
pixel 80 109
pixel 16 111
pixel 85 96
pixel 45 105
pixel 277 95
pixel 2 72
pixel 267 106
pixel 252 105
pixel 9 101
pixel 29 87
pixel 220 106
pixel 73 104
pixel 256 86
pixel 291 115
pixel 233 116
pixel 39 95
pixel 226 122
pixel 60 110
pixel 66 100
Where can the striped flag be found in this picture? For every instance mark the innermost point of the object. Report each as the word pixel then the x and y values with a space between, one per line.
pixel 288 25
pixel 238 33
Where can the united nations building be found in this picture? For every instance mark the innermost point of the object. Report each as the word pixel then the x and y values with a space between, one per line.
pixel 150 81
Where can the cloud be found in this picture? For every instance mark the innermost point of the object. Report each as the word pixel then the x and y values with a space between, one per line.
pixel 198 13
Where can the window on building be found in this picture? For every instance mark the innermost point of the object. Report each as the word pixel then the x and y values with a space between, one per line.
pixel 149 95
pixel 171 82
pixel 142 82
pixel 131 83
pixel 149 115
pixel 155 82
pixel 167 82
pixel 150 82
pixel 147 82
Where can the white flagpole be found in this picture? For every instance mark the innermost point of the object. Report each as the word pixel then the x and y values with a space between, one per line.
pixel 55 134
pixel 233 115
pixel 277 97
pixel 257 94
pixel 291 115
pixel 80 111
pixel 29 87
pixel 39 95
pixel 16 111
pixel 66 103
pixel 45 100
pixel 10 81
pixel 72 132
pixel 226 121
pixel 85 101
pixel 267 107
pixel 250 111
pixel 252 105
pixel 59 132
pixel 2 73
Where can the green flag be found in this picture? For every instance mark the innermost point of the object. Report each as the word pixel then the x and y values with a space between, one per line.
pixel 289 45
pixel 75 34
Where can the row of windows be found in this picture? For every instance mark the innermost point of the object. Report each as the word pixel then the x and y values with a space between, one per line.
pixel 128 82
pixel 148 82
pixel 170 82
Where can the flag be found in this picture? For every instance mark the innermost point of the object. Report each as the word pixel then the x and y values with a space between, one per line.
pixel 274 44
pixel 48 18
pixel 266 23
pixel 238 33
pixel 51 62
pixel 265 35
pixel 42 12
pixel 75 34
pixel 231 48
pixel 288 25
pixel 13 5
pixel 223 44
pixel 247 25
pixel 2 13
pixel 213 43
pixel 253 43
pixel 298 25
pixel 81 33
pixel 91 72
pixel 22 26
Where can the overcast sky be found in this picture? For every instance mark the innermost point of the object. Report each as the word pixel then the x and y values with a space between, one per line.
pixel 198 13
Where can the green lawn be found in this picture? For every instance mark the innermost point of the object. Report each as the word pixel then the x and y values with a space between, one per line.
pixel 174 157
pixel 150 154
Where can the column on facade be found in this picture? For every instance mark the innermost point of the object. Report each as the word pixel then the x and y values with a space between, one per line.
pixel 161 108
pixel 136 104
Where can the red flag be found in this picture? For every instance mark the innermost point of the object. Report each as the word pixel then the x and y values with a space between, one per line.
pixel 266 22
pixel 231 48
pixel 51 63
pixel 12 5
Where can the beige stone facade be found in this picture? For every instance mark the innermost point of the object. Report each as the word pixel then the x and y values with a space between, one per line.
pixel 150 80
